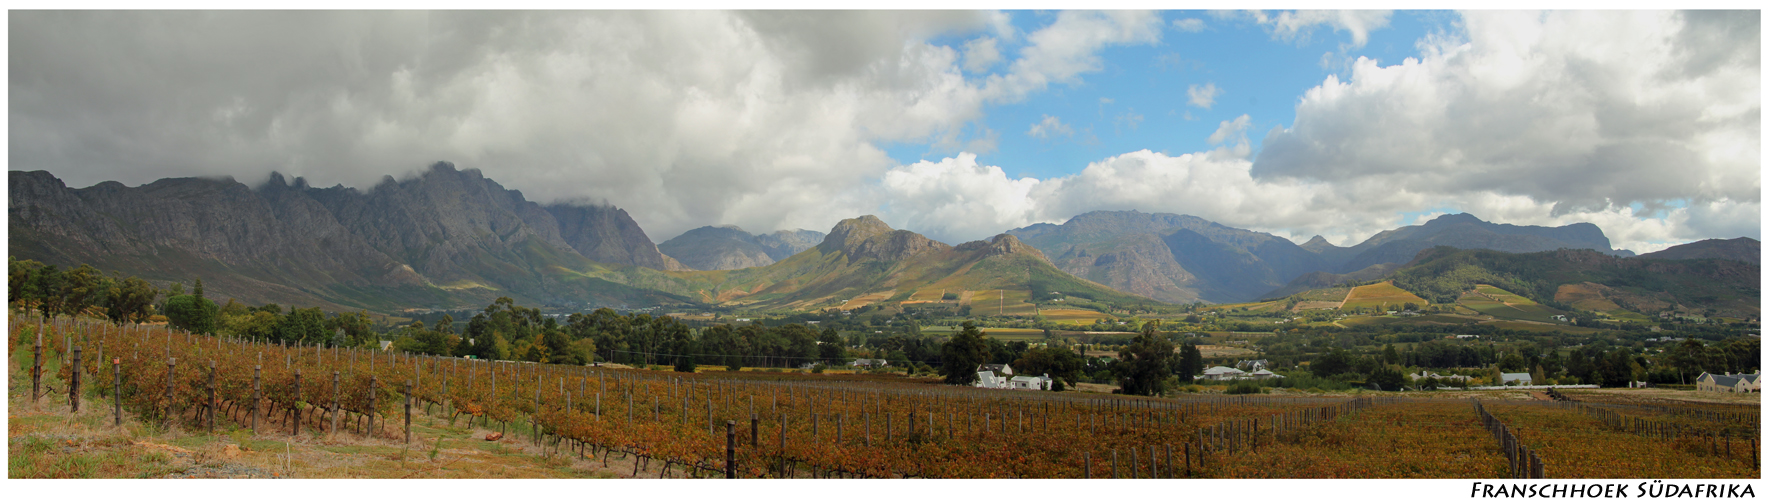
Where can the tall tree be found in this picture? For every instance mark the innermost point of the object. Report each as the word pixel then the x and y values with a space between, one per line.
pixel 1145 364
pixel 961 355
pixel 830 347
pixel 1192 362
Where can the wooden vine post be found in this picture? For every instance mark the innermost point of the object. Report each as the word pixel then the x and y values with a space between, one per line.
pixel 408 412
pixel 170 364
pixel 74 386
pixel 257 373
pixel 295 406
pixel 730 449
pixel 335 406
pixel 374 383
pixel 212 402
pixel 117 392
pixel 37 366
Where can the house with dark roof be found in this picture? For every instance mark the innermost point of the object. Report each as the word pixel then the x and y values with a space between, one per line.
pixel 1728 382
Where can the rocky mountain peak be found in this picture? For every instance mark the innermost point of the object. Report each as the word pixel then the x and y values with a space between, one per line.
pixel 867 237
pixel 1318 244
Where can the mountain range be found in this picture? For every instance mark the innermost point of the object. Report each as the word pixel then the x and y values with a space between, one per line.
pixel 1181 258
pixel 452 238
pixel 714 248
pixel 445 237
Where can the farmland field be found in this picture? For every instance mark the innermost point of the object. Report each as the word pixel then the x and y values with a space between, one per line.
pixel 1073 316
pixel 1575 444
pixel 1002 303
pixel 1335 294
pixel 651 423
pixel 1380 296
pixel 927 295
pixel 1404 439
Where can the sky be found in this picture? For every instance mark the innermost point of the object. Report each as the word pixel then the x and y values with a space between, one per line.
pixel 956 124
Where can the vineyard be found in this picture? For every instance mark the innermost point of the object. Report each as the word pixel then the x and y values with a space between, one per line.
pixel 751 424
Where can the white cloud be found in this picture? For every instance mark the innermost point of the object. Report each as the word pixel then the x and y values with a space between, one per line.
pixel 955 199
pixel 1297 25
pixel 1529 108
pixel 1050 126
pixel 1068 47
pixel 981 54
pixel 1202 96
pixel 1234 132
pixel 1189 25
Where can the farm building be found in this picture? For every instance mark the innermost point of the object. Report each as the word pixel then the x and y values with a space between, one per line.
pixel 1262 374
pixel 1426 374
pixel 1023 382
pixel 1223 373
pixel 867 363
pixel 1521 378
pixel 988 380
pixel 1728 382
pixel 1002 369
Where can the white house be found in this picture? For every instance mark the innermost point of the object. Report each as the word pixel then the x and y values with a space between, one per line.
pixel 867 363
pixel 1521 378
pixel 988 380
pixel 1263 374
pixel 1223 373
pixel 1023 382
pixel 1002 369
pixel 1251 364
pixel 1728 382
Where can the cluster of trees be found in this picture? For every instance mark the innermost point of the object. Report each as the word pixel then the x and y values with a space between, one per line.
pixel 84 290
pixel 55 292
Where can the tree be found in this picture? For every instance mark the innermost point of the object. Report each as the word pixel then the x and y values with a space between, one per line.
pixel 46 289
pixel 357 329
pixel 1144 365
pixel 132 300
pixel 830 347
pixel 1062 364
pixel 304 326
pixel 192 313
pixel 1333 362
pixel 1389 354
pixel 1192 362
pixel 961 355
pixel 1387 377
pixel 82 288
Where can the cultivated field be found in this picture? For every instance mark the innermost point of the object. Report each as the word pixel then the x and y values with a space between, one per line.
pixel 572 421
pixel 1069 316
pixel 1002 303
pixel 1380 296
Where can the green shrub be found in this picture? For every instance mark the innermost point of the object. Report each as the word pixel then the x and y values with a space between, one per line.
pixel 1245 388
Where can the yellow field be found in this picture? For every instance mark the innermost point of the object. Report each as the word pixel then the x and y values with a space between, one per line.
pixel 1073 316
pixel 865 300
pixel 1380 296
pixel 1001 303
pixel 927 295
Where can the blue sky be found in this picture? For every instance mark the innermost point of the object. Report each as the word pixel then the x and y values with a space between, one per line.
pixel 1139 99
pixel 1337 123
